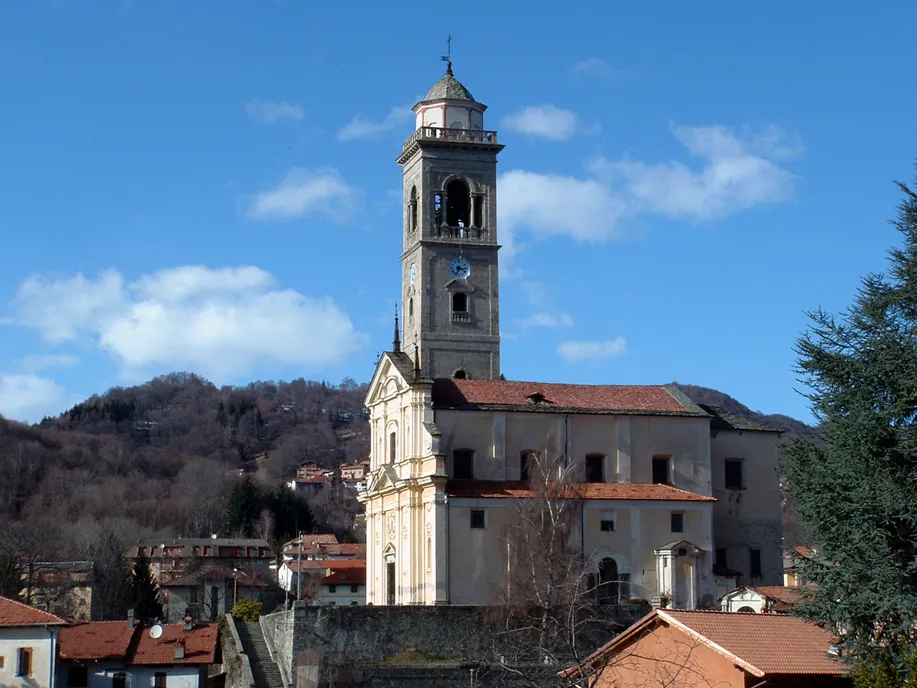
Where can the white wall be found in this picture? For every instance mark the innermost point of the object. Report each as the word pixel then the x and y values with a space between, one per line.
pixel 342 596
pixel 43 649
pixel 100 676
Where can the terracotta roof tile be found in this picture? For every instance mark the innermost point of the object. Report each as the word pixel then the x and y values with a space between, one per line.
pixel 520 490
pixel 315 538
pixel 13 613
pixel 97 640
pixel 763 644
pixel 310 565
pixel 200 645
pixel 354 576
pixel 773 643
pixel 553 397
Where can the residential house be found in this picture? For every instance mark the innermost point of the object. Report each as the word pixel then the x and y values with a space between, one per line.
pixel 690 649
pixel 671 489
pixel 213 591
pixel 762 599
pixel 345 586
pixel 290 550
pixel 120 654
pixel 175 557
pixel 63 588
pixel 791 564
pixel 28 645
pixel 309 486
pixel 311 572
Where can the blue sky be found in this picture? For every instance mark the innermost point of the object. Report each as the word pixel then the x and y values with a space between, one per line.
pixel 211 186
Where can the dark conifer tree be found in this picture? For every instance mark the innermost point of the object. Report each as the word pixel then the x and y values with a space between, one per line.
pixel 243 507
pixel 147 601
pixel 856 487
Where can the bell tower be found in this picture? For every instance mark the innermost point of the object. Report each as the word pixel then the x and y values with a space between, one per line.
pixel 450 281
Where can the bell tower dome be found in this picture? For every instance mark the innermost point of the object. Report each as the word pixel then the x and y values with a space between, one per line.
pixel 450 280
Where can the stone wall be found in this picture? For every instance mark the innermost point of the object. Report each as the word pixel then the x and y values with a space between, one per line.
pixel 363 638
pixel 236 664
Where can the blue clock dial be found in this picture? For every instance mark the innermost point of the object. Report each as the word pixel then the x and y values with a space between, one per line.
pixel 459 268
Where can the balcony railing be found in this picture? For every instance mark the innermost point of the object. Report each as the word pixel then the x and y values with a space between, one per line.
pixel 447 134
pixel 458 316
pixel 460 232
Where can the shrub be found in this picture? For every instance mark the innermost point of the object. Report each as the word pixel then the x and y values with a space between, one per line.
pixel 246 610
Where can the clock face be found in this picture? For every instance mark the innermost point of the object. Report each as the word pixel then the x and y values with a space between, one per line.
pixel 459 268
pixel 412 273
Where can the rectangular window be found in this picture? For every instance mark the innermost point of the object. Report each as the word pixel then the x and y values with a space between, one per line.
pixel 720 560
pixel 678 522
pixel 734 474
pixel 661 470
pixel 754 560
pixel 607 520
pixel 332 589
pixel 478 519
pixel 119 680
pixel 392 446
pixel 354 588
pixel 2 661
pixel 160 678
pixel 24 663
pixel 463 464
pixel 595 468
pixel 77 676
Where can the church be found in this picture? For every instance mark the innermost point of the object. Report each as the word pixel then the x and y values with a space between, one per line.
pixel 680 502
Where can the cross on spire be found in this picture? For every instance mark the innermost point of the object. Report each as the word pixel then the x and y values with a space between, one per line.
pixel 447 58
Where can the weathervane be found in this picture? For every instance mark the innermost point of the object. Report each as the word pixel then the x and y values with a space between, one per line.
pixel 447 58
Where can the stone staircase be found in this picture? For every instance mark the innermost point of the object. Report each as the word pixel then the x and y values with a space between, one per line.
pixel 264 669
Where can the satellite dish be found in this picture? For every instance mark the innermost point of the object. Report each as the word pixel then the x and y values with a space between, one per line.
pixel 156 632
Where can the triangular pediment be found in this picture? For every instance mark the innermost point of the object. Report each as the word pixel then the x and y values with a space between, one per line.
pixel 460 285
pixel 393 374
pixel 680 548
pixel 385 477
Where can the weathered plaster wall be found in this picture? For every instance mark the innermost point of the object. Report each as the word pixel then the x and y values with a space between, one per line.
pixel 236 664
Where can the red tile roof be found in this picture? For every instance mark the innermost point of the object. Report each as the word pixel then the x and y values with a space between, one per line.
pixel 547 396
pixel 13 613
pixel 310 565
pixel 97 640
pixel 354 576
pixel 200 645
pixel 242 579
pixel 761 644
pixel 520 490
pixel 315 538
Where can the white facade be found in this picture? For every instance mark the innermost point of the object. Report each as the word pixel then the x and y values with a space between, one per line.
pixel 341 595
pixel 103 675
pixel 744 600
pixel 40 642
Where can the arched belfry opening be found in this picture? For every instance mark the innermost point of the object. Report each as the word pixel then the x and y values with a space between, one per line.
pixel 458 204
pixel 412 210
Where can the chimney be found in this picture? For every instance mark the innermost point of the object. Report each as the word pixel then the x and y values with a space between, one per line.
pixel 189 624
pixel 180 649
pixel 130 618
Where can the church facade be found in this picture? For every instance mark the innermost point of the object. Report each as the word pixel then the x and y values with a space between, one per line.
pixel 679 501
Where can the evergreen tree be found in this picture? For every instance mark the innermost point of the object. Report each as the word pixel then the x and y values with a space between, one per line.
pixel 147 602
pixel 243 507
pixel 856 488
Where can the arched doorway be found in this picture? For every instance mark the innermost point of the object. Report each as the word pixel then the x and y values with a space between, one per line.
pixel 609 581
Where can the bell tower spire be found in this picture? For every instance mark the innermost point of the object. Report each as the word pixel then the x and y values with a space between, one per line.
pixel 396 342
pixel 450 276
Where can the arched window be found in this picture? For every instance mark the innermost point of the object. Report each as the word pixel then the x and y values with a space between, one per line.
pixel 527 461
pixel 746 610
pixel 458 204
pixel 412 218
pixel 460 302
pixel 460 375
pixel 392 446
pixel 411 310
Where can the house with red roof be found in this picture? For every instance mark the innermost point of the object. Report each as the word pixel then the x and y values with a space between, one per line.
pixel 342 586
pixel 670 491
pixel 761 599
pixel 28 645
pixel 122 654
pixel 690 649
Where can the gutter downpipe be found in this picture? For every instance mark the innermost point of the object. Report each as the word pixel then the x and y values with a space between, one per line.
pixel 52 679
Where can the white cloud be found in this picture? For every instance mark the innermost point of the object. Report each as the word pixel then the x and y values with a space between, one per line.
pixel 39 362
pixel 596 67
pixel 587 352
pixel 548 319
pixel 362 128
pixel 273 111
pixel 29 398
pixel 222 323
pixel 305 192
pixel 543 121
pixel 735 173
